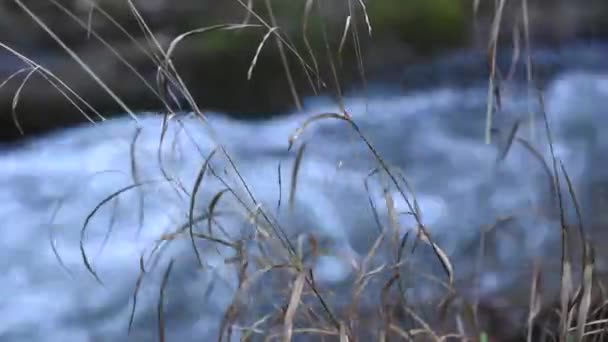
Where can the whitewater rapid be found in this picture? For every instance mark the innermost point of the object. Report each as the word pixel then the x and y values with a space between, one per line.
pixel 434 137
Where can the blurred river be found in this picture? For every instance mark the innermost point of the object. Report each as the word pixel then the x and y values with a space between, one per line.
pixel 434 135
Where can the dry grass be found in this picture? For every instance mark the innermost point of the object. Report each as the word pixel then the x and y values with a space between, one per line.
pixel 385 311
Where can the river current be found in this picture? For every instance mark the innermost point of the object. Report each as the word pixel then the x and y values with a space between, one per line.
pixel 433 136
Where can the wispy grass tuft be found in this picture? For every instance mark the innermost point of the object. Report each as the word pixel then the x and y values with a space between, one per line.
pixel 115 194
pixel 75 56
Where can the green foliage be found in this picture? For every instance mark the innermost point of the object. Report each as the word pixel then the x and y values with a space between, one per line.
pixel 424 24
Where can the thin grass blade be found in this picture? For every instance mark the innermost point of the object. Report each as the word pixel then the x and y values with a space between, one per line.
pixel 197 184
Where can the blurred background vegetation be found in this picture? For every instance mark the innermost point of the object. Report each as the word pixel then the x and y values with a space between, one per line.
pixel 214 65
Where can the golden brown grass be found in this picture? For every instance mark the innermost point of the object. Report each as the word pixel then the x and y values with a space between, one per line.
pixel 381 312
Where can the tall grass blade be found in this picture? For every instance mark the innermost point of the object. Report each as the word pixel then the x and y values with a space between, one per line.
pixel 566 265
pixel 294 175
pixel 290 81
pixel 161 300
pixel 536 154
pixel 579 214
pixel 344 35
pixel 510 139
pixel 90 216
pixel 140 278
pixel 585 304
pixel 135 176
pixel 535 301
pixel 197 184
pixel 294 302
pixel 367 21
pixel 492 57
pixel 254 61
pixel 214 202
pixel 315 64
pixel 74 56
pixel 16 100
pixel 280 184
pixel 56 82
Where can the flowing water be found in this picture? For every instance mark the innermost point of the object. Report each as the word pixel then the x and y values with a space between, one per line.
pixel 434 137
